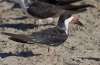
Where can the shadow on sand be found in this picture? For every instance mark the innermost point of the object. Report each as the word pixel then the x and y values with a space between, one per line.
pixel 20 18
pixel 16 4
pixel 22 26
pixel 19 26
pixel 91 58
pixel 21 54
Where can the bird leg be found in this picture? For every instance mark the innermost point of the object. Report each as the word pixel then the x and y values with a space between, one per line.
pixel 35 22
pixel 54 49
pixel 38 24
pixel 48 51
pixel 35 25
pixel 55 52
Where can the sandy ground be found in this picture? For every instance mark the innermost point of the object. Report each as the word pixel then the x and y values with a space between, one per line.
pixel 81 48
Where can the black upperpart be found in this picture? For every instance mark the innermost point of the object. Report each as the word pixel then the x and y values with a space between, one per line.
pixel 60 2
pixel 43 10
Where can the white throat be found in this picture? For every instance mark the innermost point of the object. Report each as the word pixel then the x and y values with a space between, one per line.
pixel 66 22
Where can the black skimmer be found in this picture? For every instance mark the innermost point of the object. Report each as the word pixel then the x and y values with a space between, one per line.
pixel 44 9
pixel 52 36
pixel 40 10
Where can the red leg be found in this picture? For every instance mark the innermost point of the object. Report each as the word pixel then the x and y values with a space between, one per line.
pixel 48 51
pixel 55 52
pixel 38 24
pixel 34 22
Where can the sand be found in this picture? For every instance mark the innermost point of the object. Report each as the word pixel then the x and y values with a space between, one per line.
pixel 81 48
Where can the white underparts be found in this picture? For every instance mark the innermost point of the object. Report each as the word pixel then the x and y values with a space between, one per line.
pixel 50 19
pixel 47 20
pixel 40 21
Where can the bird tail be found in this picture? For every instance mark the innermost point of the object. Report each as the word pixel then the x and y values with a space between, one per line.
pixel 63 2
pixel 19 37
pixel 75 7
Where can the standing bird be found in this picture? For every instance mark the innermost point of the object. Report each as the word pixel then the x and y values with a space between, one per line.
pixel 52 36
pixel 40 10
pixel 47 9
